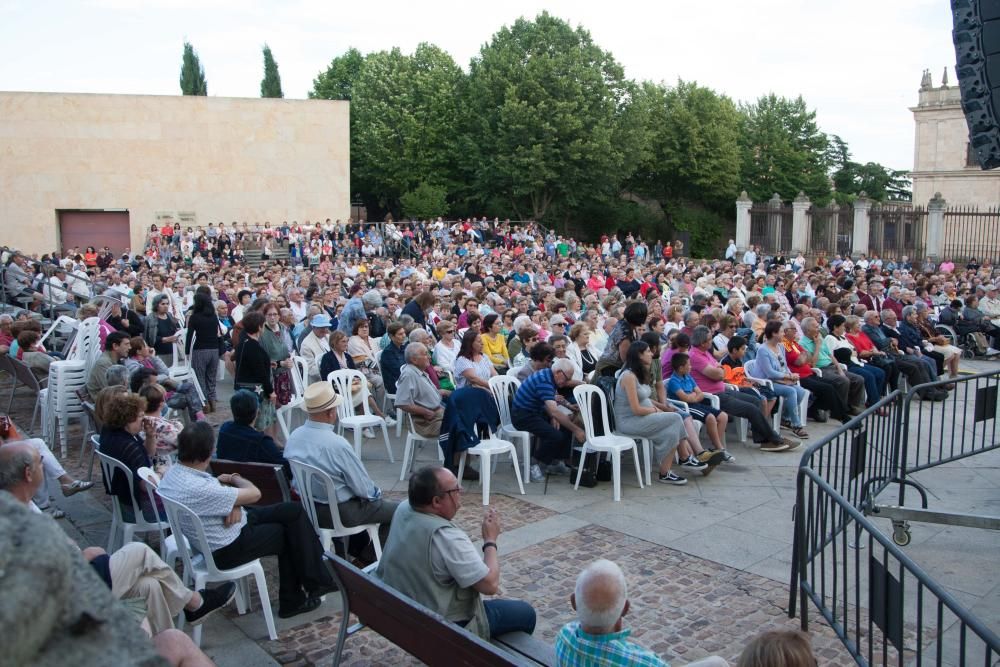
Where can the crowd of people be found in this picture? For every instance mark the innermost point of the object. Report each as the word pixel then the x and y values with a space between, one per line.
pixel 427 314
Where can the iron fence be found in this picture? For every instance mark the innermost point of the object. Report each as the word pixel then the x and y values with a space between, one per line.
pixel 831 230
pixel 897 230
pixel 771 227
pixel 882 605
pixel 971 234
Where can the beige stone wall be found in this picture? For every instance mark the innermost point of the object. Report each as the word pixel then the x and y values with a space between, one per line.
pixel 223 158
pixel 939 160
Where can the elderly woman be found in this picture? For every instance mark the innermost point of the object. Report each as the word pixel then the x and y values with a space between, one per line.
pixel 446 350
pixel 124 418
pixel 952 355
pixel 827 396
pixel 772 365
pixel 580 351
pixel 161 327
pixel 365 352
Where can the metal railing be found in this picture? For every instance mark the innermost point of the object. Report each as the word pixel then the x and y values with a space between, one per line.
pixel 897 230
pixel 883 606
pixel 771 227
pixel 971 234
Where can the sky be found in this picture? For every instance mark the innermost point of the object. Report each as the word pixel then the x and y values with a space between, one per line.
pixel 858 63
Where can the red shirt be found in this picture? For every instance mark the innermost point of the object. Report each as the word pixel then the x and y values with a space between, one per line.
pixel 792 352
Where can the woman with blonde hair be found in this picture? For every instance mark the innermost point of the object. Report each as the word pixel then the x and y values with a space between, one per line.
pixel 778 648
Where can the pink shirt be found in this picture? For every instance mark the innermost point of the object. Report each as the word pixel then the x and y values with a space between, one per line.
pixel 700 360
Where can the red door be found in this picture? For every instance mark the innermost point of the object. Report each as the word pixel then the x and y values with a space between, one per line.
pixel 94 228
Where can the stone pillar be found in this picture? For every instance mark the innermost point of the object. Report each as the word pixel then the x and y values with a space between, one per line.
pixel 743 205
pixel 774 223
pixel 861 207
pixel 832 229
pixel 800 223
pixel 935 227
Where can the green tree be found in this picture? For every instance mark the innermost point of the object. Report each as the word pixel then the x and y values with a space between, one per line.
pixel 425 202
pixel 336 82
pixel 783 150
pixel 406 123
pixel 549 119
pixel 270 85
pixel 694 147
pixel 192 73
pixel 851 178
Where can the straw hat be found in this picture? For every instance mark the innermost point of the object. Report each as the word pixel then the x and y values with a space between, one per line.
pixel 320 397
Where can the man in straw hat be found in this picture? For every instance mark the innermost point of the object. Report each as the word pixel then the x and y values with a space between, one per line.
pixel 359 500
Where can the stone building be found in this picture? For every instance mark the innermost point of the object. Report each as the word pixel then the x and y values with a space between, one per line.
pixel 942 161
pixel 83 169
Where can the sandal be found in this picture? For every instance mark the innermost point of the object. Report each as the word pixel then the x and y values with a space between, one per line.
pixel 76 487
pixel 800 433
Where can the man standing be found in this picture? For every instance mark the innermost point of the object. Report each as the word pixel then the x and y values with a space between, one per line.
pixel 359 500
pixel 431 560
pixel 357 308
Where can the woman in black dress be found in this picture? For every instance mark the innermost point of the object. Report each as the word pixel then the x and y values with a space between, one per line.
pixel 253 370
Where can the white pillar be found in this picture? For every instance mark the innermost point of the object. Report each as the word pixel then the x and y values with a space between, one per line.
pixel 800 223
pixel 743 205
pixel 935 227
pixel 861 207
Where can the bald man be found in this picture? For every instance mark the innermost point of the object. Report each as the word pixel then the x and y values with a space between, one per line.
pixel 596 637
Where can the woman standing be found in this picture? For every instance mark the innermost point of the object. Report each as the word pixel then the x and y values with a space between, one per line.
pixel 472 367
pixel 636 416
pixel 161 327
pixel 277 341
pixel 203 327
pixel 253 370
pixel 419 306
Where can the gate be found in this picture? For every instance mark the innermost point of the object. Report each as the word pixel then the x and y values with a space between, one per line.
pixel 831 230
pixel 972 234
pixel 771 227
pixel 897 230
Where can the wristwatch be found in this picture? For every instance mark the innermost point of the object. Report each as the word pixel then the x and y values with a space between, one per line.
pixel 490 544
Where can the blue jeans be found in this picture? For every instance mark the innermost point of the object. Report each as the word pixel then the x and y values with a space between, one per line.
pixel 792 395
pixel 509 616
pixel 874 382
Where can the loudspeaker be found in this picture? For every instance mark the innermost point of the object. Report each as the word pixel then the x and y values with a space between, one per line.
pixel 976 36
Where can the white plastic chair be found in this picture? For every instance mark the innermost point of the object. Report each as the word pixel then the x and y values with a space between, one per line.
pixel 203 570
pixel 62 403
pixel 504 388
pixel 343 380
pixel 611 444
pixel 181 370
pixel 750 371
pixel 414 438
pixel 299 371
pixel 128 530
pixel 489 450
pixel 306 479
pixel 86 346
pixel 168 543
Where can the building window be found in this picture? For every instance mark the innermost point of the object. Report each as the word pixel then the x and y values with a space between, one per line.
pixel 970 156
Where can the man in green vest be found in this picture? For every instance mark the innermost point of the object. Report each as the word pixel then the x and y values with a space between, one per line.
pixel 431 560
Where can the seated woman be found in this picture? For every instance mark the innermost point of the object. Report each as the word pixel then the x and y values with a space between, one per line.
pixel 473 368
pixel 827 396
pixel 167 430
pixel 240 441
pixel 584 356
pixel 951 354
pixel 681 387
pixel 636 416
pixel 365 352
pixel 124 417
pixel 32 354
pixel 495 344
pixel 772 365
pixel 338 358
pixel 844 352
pixel 867 352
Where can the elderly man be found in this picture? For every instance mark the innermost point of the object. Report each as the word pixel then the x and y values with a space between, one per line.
pixel 850 386
pixel 357 308
pixel 601 602
pixel 17 280
pixel 238 534
pixel 316 344
pixel 58 294
pixel 116 347
pixel 535 410
pixel 431 560
pixel 909 341
pixel 359 500
pixel 417 395
pixel 134 571
pixel 913 368
pixel 297 303
pixel 990 305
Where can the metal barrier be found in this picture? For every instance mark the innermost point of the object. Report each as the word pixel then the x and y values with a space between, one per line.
pixel 881 604
pixel 935 433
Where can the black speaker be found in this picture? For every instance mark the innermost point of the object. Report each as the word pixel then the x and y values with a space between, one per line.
pixel 977 51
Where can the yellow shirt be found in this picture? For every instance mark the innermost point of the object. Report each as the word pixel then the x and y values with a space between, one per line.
pixel 495 347
pixel 439 273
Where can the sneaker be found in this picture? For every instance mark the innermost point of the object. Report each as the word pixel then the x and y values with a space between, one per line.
pixel 557 468
pixel 671 478
pixel 990 351
pixel 694 464
pixel 212 600
pixel 728 458
pixel 710 456
pixel 390 421
pixel 536 474
pixel 368 433
pixel 792 444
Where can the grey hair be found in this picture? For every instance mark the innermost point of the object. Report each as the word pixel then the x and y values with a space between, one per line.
pixel 908 310
pixel 116 374
pixel 762 309
pixel 920 306
pixel 601 593
pixel 372 298
pixel 699 335
pixel 871 314
pixel 13 461
pixel 520 322
pixel 886 312
pixel 566 366
pixel 411 350
pixel 418 335
pixel 808 322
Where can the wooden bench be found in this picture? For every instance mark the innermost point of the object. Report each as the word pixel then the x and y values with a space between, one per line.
pixel 422 633
pixel 268 477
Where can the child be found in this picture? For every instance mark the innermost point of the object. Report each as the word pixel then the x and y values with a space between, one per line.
pixel 682 387
pixel 732 363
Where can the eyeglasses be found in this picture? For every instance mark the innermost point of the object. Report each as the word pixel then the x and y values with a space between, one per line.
pixel 457 489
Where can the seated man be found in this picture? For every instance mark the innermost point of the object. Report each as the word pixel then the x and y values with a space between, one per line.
pixel 116 347
pixel 134 571
pixel 316 344
pixel 913 368
pixel 359 500
pixel 850 386
pixel 535 410
pixel 431 560
pixel 597 638
pixel 240 441
pixel 417 394
pixel 237 536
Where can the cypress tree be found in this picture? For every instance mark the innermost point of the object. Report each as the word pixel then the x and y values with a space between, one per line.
pixel 270 85
pixel 192 73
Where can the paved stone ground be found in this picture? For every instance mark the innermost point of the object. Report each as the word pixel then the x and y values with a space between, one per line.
pixel 707 564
